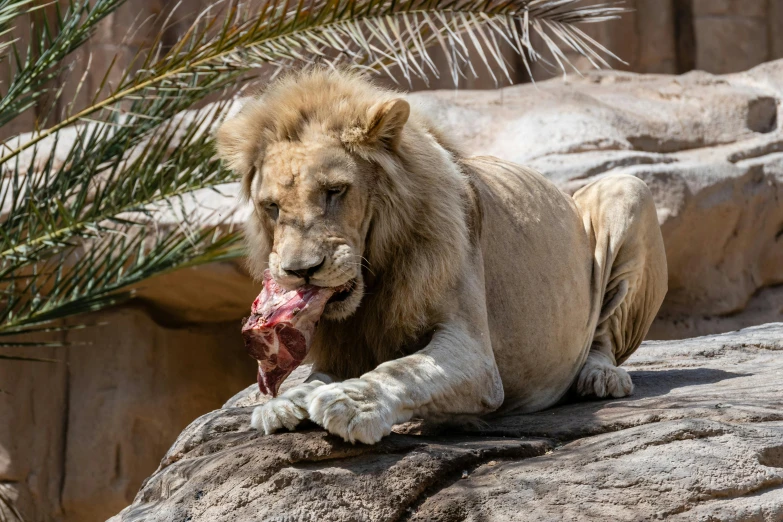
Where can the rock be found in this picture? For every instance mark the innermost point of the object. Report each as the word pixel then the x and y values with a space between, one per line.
pixel 745 22
pixel 701 437
pixel 677 470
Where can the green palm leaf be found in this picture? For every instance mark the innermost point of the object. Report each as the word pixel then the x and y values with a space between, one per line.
pixel 366 34
pixel 80 228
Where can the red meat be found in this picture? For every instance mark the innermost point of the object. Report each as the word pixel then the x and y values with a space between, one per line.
pixel 280 329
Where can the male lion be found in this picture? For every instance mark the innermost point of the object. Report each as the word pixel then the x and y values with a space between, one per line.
pixel 477 286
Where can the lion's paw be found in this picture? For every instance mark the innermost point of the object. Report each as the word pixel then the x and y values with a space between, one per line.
pixel 604 380
pixel 355 410
pixel 286 411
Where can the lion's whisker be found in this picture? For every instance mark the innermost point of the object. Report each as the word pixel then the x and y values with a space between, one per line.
pixel 360 265
pixel 364 260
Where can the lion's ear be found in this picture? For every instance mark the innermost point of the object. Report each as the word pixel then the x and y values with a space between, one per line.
pixel 237 146
pixel 387 121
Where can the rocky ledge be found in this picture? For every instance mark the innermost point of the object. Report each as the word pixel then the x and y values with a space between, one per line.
pixel 700 439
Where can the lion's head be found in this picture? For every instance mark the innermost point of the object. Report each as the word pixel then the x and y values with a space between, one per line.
pixel 350 189
pixel 311 206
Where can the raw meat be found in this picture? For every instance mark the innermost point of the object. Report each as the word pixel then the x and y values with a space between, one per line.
pixel 280 329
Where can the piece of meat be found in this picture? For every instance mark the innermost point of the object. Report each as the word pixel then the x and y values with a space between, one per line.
pixel 280 329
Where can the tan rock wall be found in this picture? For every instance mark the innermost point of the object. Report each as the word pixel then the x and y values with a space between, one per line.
pixel 81 434
pixel 745 23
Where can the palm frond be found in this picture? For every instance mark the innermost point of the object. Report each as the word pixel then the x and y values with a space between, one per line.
pixel 10 11
pixel 99 223
pixel 101 201
pixel 366 34
pixel 8 511
pixel 49 44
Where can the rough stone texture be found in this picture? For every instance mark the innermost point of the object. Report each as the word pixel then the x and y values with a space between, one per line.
pixel 701 437
pixel 648 472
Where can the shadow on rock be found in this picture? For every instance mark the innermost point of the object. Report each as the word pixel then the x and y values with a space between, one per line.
pixel 653 383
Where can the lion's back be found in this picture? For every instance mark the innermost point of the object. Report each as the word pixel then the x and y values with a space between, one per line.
pixel 538 263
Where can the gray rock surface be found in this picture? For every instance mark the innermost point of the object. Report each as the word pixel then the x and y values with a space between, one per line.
pixel 700 439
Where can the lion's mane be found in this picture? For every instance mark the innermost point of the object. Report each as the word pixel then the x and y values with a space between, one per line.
pixel 424 211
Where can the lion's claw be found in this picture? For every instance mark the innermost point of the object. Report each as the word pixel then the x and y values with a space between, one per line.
pixel 277 414
pixel 604 380
pixel 352 410
pixel 286 411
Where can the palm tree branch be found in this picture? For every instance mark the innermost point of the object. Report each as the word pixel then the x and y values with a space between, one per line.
pixel 78 234
pixel 287 24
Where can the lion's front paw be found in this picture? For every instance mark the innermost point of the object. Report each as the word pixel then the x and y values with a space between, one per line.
pixel 286 411
pixel 604 380
pixel 355 409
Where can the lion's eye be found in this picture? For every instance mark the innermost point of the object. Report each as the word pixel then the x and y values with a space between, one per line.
pixel 272 209
pixel 335 192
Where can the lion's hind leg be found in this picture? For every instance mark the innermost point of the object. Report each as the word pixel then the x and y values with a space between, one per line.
pixel 602 378
pixel 629 278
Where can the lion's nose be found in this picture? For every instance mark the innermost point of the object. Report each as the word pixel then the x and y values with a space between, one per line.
pixel 303 268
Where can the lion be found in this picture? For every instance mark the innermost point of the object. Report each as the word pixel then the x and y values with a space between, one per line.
pixel 477 287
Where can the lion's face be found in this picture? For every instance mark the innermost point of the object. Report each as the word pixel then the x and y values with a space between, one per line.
pixel 312 199
pixel 316 154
